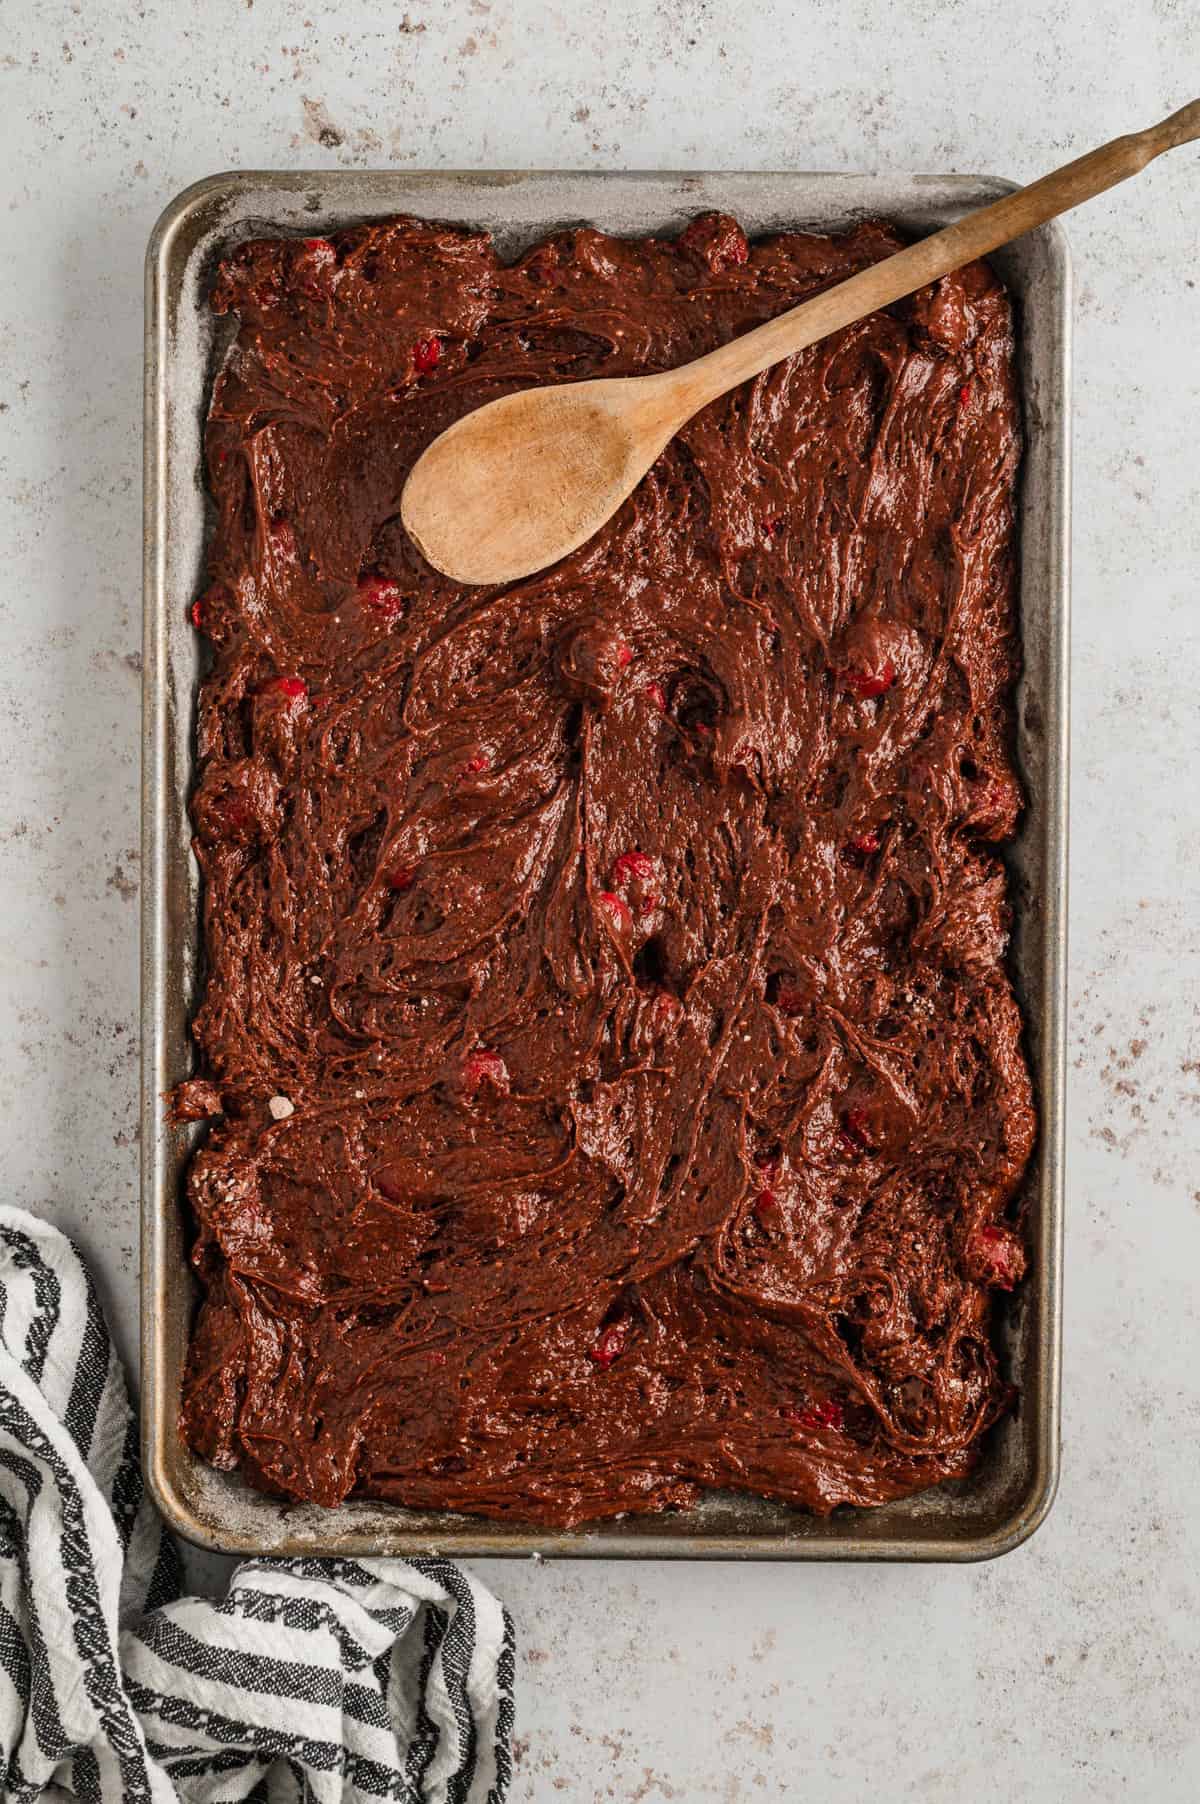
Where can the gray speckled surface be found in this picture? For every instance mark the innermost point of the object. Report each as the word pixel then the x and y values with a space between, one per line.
pixel 1068 1670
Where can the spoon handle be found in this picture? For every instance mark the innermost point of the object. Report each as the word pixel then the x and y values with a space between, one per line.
pixel 973 236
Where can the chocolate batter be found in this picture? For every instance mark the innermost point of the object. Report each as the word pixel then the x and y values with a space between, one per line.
pixel 616 1082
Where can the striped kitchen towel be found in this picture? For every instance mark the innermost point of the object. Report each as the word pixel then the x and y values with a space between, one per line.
pixel 314 1680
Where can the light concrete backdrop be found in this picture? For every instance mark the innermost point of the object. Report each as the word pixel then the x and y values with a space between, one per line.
pixel 1067 1671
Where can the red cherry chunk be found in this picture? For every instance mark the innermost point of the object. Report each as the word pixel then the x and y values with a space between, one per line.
pixel 654 692
pixel 314 267
pixel 766 1206
pixel 476 765
pixel 209 612
pixel 238 803
pixel 995 1256
pixel 381 597
pixel 634 873
pixel 860 847
pixel 826 1414
pixel 609 1344
pixel 619 918
pixel 717 240
pixel 427 354
pixel 867 684
pixel 855 1131
pixel 866 844
pixel 632 864
pixel 484 1067
pixel 291 688
pixel 402 877
pixel 665 1010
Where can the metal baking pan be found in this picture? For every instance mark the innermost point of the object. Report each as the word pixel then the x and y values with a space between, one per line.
pixel 1012 1489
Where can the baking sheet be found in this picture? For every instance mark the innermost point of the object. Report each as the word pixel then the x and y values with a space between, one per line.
pixel 1009 1494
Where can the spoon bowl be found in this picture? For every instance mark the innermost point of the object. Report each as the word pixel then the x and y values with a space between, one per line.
pixel 541 468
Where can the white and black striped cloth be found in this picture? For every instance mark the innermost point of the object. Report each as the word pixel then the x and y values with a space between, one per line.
pixel 314 1680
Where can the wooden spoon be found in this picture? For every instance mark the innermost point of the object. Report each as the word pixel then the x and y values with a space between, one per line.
pixel 518 484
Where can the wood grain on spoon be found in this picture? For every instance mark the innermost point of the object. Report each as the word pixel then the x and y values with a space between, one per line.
pixel 518 484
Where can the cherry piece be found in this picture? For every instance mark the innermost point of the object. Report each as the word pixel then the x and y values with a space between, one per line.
pixel 717 240
pixel 866 844
pixel 610 1344
pixel 630 865
pixel 292 688
pixel 866 684
pixel 766 1207
pixel 995 1256
pixel 620 920
pixel 666 1009
pixel 381 596
pixel 315 264
pixel 484 1067
pixel 636 876
pixel 427 353
pixel 855 1131
pixel 826 1414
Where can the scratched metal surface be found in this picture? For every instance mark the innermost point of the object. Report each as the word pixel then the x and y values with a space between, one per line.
pixel 1009 1494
